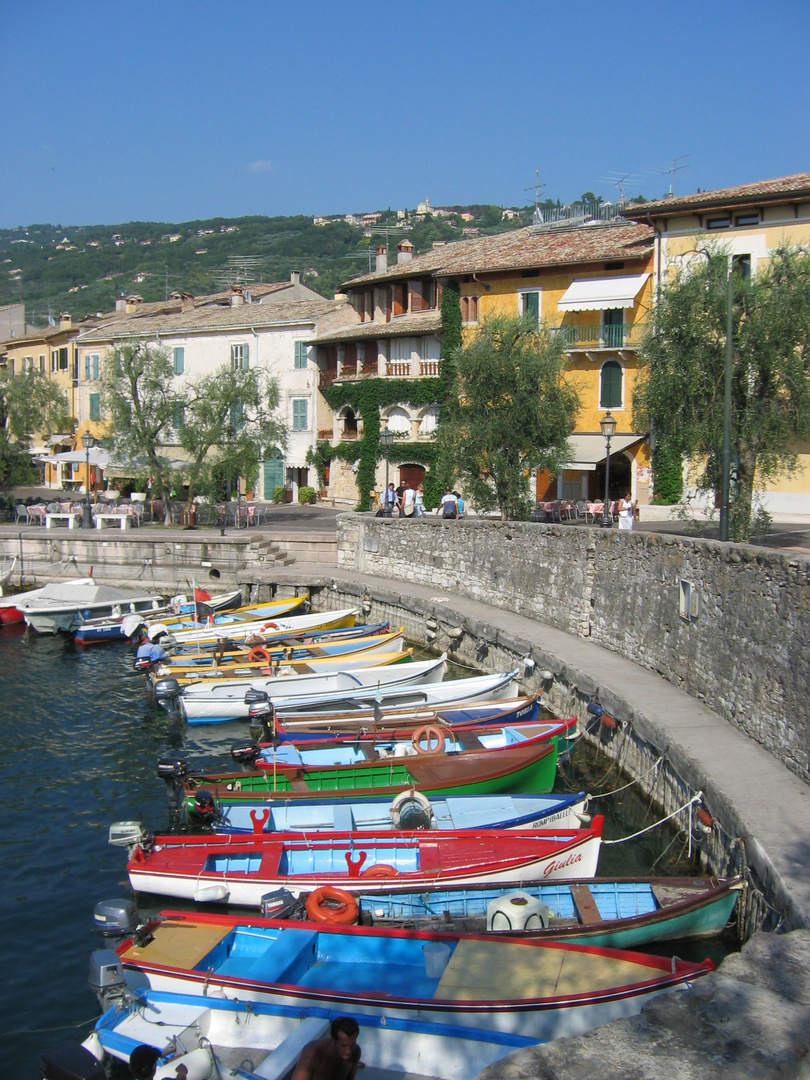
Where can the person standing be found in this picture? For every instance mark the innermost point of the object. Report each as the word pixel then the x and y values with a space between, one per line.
pixel 627 512
pixel 408 499
pixel 419 501
pixel 334 1057
pixel 400 495
pixel 390 499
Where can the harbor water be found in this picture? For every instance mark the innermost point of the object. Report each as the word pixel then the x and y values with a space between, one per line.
pixel 79 744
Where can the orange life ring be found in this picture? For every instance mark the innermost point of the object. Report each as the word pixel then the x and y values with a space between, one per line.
pixel 329 905
pixel 268 626
pixel 428 732
pixel 257 654
pixel 380 869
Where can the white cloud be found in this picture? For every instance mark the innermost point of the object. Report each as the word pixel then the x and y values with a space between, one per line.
pixel 260 166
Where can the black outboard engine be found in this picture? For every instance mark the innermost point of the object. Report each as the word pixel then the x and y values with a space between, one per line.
pixel 245 752
pixel 281 904
pixel 173 770
pixel 70 1061
pixel 205 808
pixel 261 714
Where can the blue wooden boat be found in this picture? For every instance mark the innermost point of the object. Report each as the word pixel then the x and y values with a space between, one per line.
pixel 407 811
pixel 536 989
pixel 126 623
pixel 624 913
pixel 217 1039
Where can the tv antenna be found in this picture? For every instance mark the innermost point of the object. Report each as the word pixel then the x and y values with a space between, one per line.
pixel 675 169
pixel 537 217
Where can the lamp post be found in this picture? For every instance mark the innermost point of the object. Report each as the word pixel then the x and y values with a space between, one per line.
pixel 386 438
pixel 725 481
pixel 608 426
pixel 87 442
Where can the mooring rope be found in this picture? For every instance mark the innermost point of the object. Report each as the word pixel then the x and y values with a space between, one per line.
pixel 686 806
pixel 616 791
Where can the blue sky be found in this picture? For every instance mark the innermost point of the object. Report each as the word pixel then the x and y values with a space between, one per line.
pixel 184 109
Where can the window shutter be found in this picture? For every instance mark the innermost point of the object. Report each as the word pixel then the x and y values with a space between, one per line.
pixel 300 354
pixel 531 305
pixel 611 388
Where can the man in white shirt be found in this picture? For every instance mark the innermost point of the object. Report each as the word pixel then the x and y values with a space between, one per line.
pixel 449 504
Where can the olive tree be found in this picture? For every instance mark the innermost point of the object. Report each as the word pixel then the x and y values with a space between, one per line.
pixel 513 411
pixel 679 394
pixel 29 404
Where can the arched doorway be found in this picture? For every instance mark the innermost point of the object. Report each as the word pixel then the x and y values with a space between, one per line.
pixel 412 474
pixel 620 478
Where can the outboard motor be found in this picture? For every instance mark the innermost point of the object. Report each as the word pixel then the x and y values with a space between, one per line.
pixel 166 690
pixel 245 752
pixel 70 1061
pixel 173 770
pixel 116 919
pixel 410 811
pixel 205 808
pixel 107 976
pixel 281 904
pixel 262 715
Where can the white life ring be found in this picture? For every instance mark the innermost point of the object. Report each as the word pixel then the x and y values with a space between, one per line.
pixel 410 796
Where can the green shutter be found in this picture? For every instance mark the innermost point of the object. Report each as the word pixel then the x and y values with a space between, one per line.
pixel 300 354
pixel 95 410
pixel 531 305
pixel 611 386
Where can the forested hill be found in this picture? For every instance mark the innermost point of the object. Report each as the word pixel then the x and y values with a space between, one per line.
pixel 83 269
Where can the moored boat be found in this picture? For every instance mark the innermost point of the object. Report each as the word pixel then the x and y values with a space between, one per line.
pixel 123 626
pixel 209 618
pixel 217 701
pixel 216 1039
pixel 540 990
pixel 64 605
pixel 237 869
pixel 270 629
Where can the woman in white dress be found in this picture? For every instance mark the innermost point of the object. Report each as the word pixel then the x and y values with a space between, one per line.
pixel 627 511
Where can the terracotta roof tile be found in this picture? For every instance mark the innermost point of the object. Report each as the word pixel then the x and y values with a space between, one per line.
pixel 423 322
pixel 524 248
pixel 784 187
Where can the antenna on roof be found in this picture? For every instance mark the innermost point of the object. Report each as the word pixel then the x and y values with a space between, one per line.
pixel 675 168
pixel 537 217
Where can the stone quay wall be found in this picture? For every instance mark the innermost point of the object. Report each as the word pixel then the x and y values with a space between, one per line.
pixel 729 624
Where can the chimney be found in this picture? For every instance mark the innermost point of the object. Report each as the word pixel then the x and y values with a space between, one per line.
pixel 120 304
pixel 382 259
pixel 133 302
pixel 237 296
pixel 404 251
pixel 65 321
pixel 295 277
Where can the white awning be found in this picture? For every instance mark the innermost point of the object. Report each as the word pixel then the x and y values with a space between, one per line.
pixel 98 457
pixel 589 450
pixel 597 294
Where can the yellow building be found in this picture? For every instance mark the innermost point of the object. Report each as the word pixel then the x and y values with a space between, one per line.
pixel 590 282
pixel 750 221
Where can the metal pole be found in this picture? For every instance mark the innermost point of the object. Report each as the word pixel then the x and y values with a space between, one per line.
pixel 87 522
pixel 725 482
pixel 607 517
pixel 388 508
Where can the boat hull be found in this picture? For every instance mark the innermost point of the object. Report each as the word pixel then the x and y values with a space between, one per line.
pixel 238 870
pixel 537 990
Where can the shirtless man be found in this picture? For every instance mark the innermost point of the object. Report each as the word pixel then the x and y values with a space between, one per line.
pixel 334 1057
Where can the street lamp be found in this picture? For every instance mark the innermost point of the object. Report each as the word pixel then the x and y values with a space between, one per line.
pixel 608 426
pixel 87 442
pixel 386 438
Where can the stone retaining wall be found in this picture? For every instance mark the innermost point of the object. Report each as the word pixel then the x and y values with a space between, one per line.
pixel 743 650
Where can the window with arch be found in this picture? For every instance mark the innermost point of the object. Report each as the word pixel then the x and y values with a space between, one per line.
pixel 429 421
pixel 610 385
pixel 399 422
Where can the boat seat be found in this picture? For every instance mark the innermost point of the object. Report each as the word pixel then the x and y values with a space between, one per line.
pixel 280 1061
pixel 280 961
pixel 586 905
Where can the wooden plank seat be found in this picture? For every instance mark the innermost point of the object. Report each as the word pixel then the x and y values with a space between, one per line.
pixel 586 905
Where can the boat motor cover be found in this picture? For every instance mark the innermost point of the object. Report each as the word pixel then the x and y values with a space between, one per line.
pixel 70 1061
pixel 165 689
pixel 116 918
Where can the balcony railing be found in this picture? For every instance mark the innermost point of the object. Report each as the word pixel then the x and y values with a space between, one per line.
pixel 619 336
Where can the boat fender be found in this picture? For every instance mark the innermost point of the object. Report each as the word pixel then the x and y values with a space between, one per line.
pixel 380 870
pixel 704 820
pixel 330 905
pixel 429 734
pixel 411 810
pixel 257 654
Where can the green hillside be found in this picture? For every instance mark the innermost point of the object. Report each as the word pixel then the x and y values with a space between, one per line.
pixel 83 269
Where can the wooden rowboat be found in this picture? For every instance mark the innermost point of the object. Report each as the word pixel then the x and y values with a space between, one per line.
pixel 237 869
pixel 540 990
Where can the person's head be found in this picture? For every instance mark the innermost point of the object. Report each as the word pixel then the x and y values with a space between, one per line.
pixel 344 1030
pixel 391 484
pixel 627 496
pixel 143 1062
pixel 448 491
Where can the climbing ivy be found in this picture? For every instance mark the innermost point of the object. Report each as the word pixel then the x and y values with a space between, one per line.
pixel 368 397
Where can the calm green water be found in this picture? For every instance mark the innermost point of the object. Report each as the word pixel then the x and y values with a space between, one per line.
pixel 79 743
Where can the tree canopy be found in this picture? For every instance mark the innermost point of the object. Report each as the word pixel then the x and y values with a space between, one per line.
pixel 223 422
pixel 29 404
pixel 680 392
pixel 514 412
